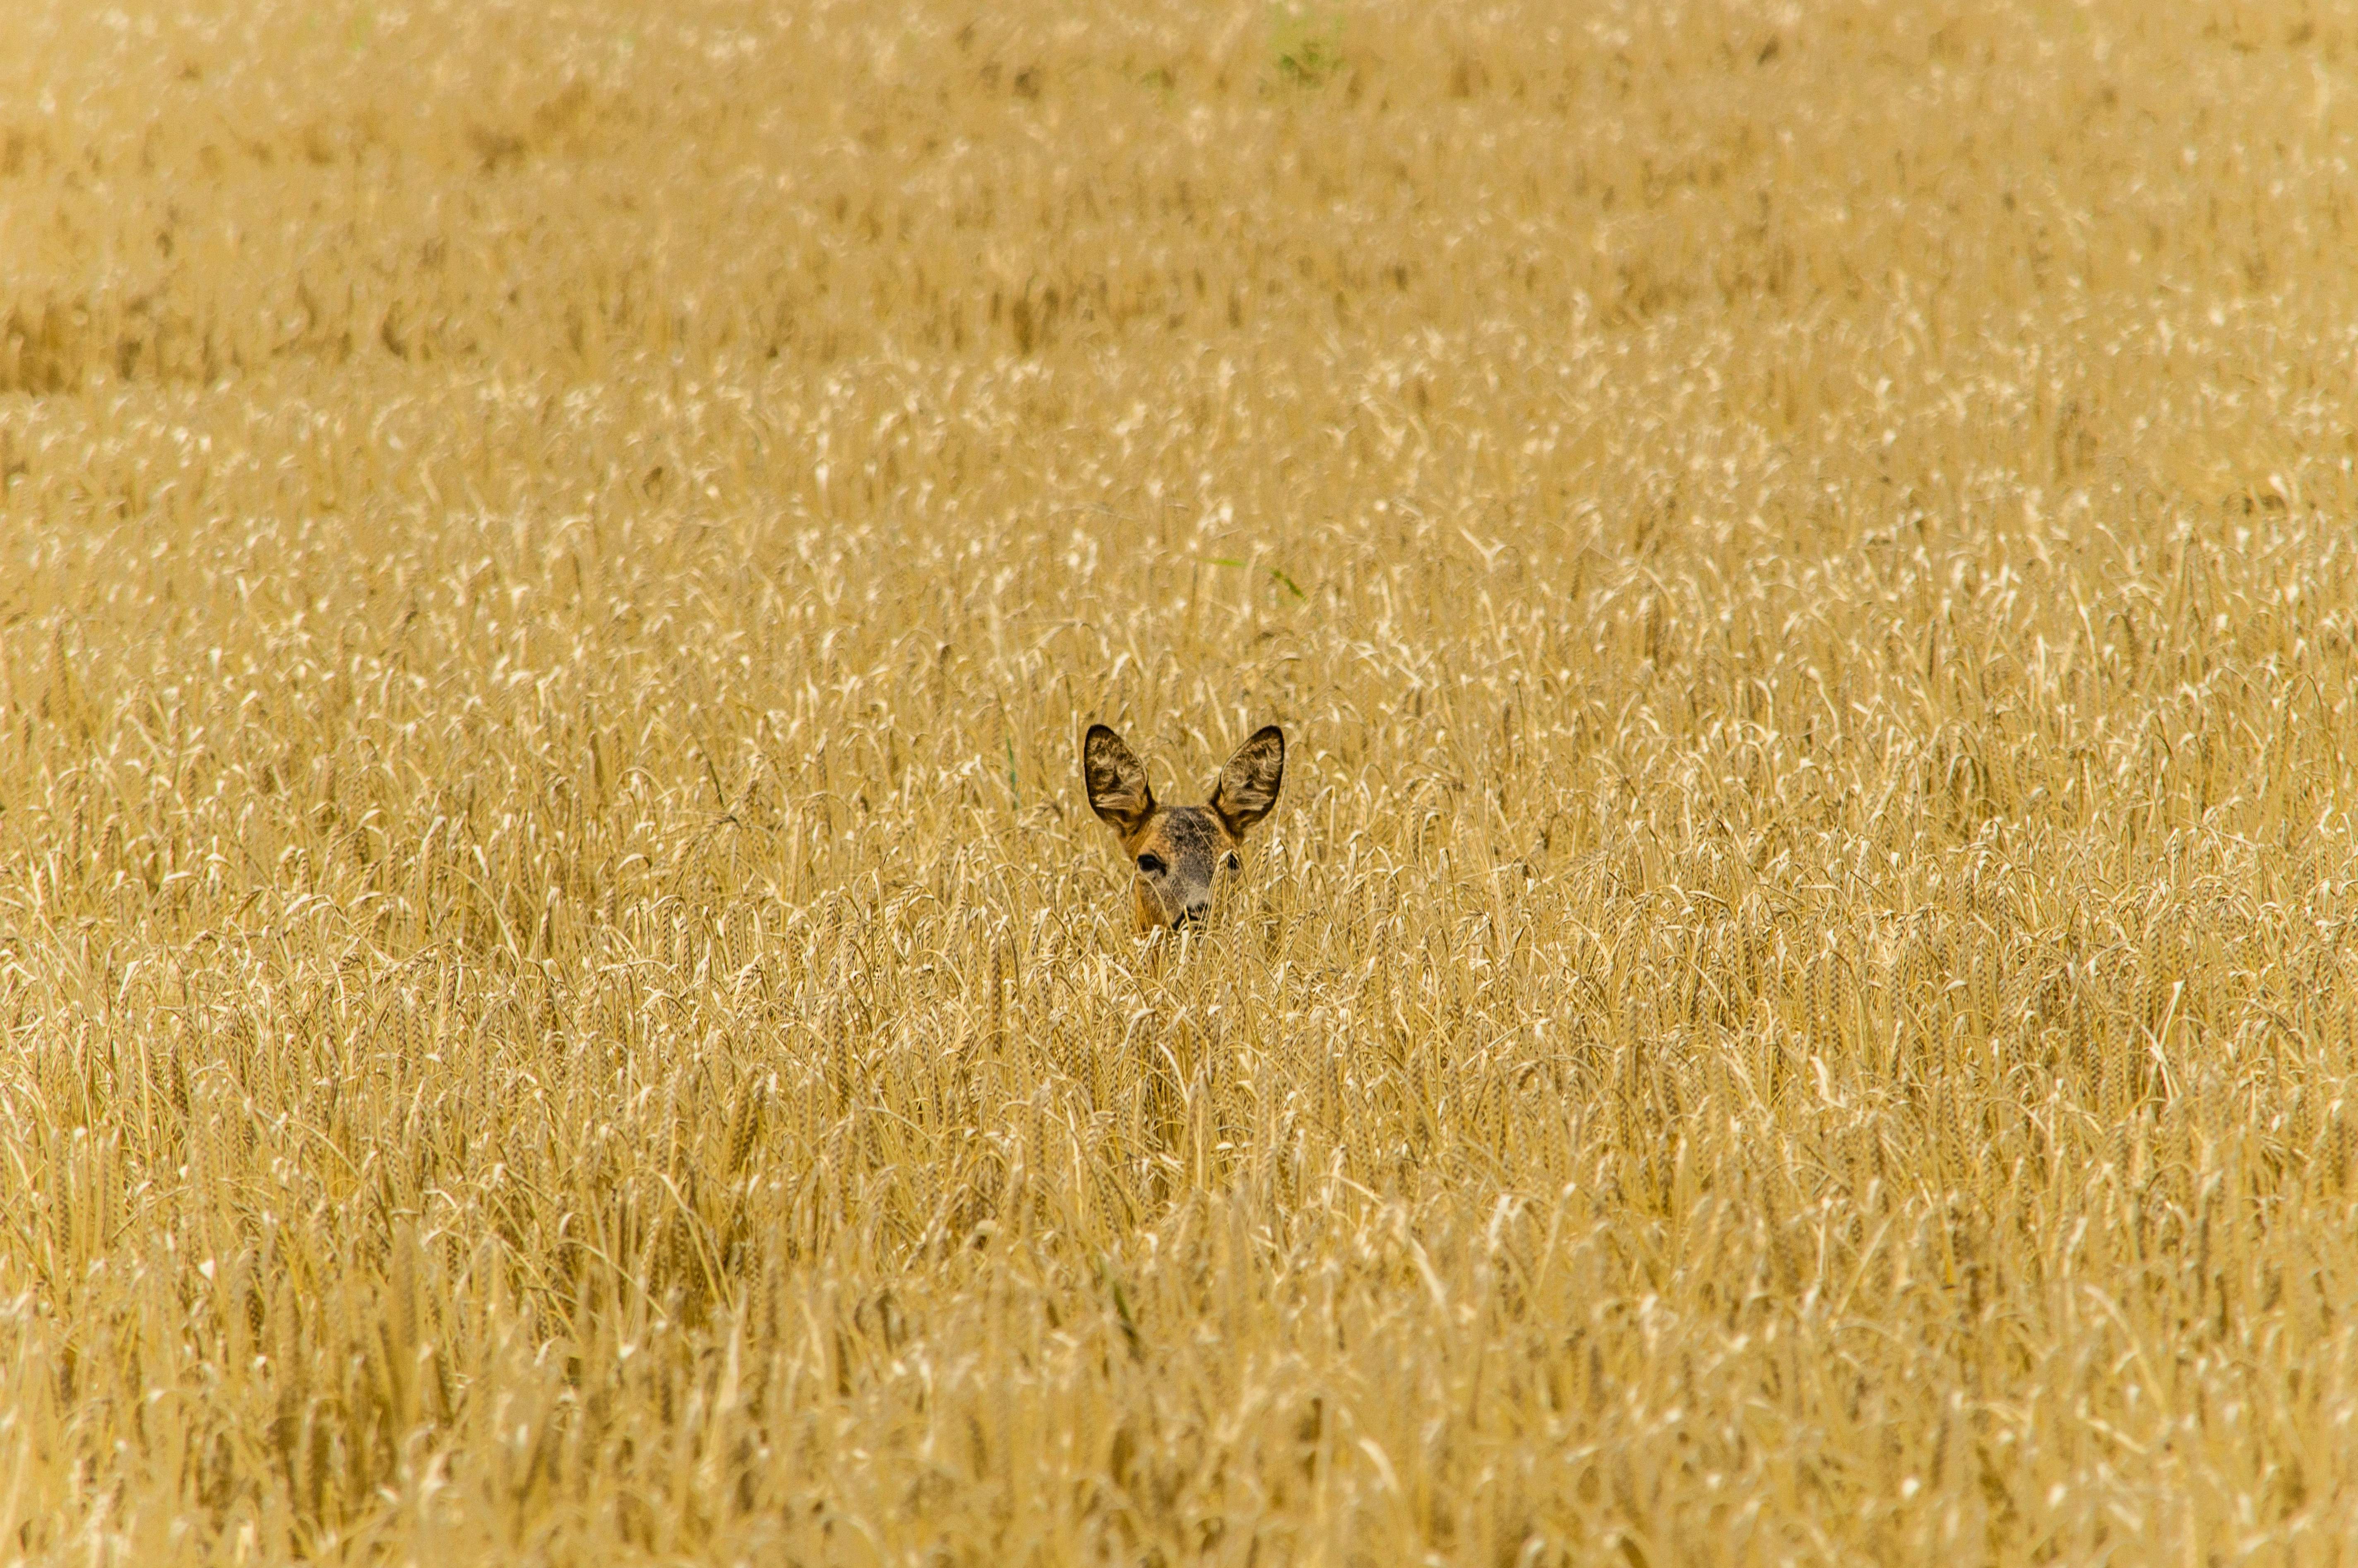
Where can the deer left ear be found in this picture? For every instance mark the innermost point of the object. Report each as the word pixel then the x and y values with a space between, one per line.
pixel 1248 784
pixel 1116 781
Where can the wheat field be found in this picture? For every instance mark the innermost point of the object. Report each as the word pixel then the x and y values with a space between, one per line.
pixel 563 999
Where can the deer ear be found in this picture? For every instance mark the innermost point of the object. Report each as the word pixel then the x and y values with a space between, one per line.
pixel 1116 781
pixel 1249 784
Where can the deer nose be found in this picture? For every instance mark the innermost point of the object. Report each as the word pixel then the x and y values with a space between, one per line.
pixel 1196 914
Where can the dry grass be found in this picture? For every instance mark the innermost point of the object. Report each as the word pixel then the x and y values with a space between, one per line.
pixel 563 1002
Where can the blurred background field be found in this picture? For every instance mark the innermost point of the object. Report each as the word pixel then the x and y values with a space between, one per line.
pixel 562 998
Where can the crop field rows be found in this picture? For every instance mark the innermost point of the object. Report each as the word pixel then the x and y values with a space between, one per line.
pixel 563 999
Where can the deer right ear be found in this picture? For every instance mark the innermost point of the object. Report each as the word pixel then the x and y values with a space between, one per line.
pixel 1248 784
pixel 1116 781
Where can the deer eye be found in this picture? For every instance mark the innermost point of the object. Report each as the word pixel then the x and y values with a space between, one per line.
pixel 1233 863
pixel 1151 865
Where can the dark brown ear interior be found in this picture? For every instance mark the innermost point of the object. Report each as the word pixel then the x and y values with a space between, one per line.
pixel 1116 781
pixel 1248 784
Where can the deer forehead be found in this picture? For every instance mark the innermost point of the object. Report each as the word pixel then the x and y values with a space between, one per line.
pixel 1179 834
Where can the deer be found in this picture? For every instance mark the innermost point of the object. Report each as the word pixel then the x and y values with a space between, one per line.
pixel 1181 855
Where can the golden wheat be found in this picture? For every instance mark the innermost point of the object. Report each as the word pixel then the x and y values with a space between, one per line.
pixel 563 998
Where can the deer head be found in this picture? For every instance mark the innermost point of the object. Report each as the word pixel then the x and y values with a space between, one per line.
pixel 1181 855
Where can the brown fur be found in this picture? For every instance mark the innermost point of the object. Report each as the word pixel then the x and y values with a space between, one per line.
pixel 1180 856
